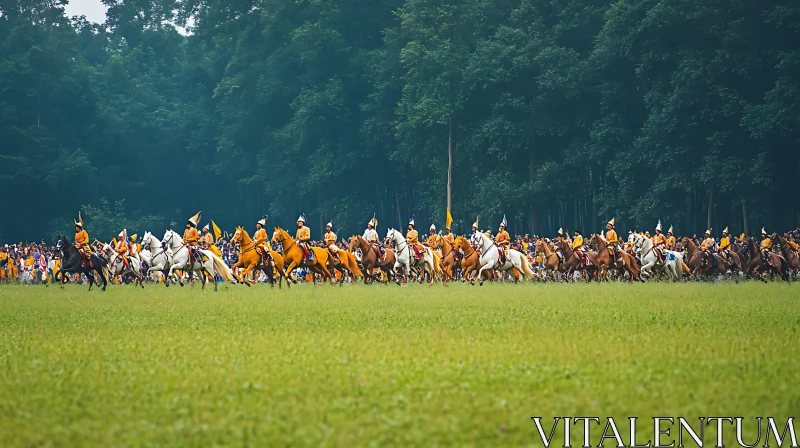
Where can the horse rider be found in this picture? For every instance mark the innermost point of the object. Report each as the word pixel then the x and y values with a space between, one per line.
pixel 790 241
pixel 303 236
pixel 724 245
pixel 123 249
pixel 611 237
pixel 260 239
pixel 191 237
pixel 766 247
pixel 474 232
pixel 206 240
pixel 670 239
pixel 557 247
pixel 433 239
pixel 448 236
pixel 503 240
pixel 133 246
pixel 82 241
pixel 412 238
pixel 708 243
pixel 330 240
pixel 659 242
pixel 577 246
pixel 371 235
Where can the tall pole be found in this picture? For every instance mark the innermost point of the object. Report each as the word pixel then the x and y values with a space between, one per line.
pixel 450 166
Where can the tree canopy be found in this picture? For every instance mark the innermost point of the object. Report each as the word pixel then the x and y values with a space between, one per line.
pixel 562 113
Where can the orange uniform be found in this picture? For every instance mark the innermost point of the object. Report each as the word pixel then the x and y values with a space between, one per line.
pixel 81 239
pixel 611 237
pixel 303 234
pixel 503 238
pixel 190 236
pixel 260 237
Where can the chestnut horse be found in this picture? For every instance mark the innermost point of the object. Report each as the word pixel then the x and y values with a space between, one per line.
pixel 371 260
pixel 470 263
pixel 250 260
pixel 550 259
pixel 347 265
pixel 604 260
pixel 448 259
pixel 293 257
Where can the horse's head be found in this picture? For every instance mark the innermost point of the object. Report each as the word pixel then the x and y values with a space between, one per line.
pixel 62 244
pixel 237 236
pixel 169 238
pixel 353 243
pixel 279 235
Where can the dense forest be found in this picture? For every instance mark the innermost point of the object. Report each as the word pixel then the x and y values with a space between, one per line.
pixel 556 113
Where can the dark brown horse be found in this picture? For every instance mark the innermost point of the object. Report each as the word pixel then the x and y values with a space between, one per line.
pixel 758 267
pixel 572 262
pixel 371 260
pixel 789 254
pixel 606 261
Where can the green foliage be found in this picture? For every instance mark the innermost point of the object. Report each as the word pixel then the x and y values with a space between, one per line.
pixel 375 366
pixel 563 113
pixel 105 221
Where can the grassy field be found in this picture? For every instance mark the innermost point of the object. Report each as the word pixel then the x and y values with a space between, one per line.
pixel 385 366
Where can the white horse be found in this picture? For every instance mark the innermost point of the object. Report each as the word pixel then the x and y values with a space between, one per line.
pixel 489 259
pixel 116 266
pixel 404 256
pixel 212 265
pixel 157 259
pixel 673 263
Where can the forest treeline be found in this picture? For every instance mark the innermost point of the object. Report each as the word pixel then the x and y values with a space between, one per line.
pixel 559 113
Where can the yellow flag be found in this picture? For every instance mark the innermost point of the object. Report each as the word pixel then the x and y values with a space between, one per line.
pixel 449 220
pixel 217 232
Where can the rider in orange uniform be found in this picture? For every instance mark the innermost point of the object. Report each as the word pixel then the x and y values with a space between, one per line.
pixel 412 237
pixel 122 248
pixel 670 238
pixel 330 241
pixel 766 247
pixel 190 235
pixel 260 239
pixel 659 241
pixel 611 237
pixel 724 245
pixel 502 239
pixel 82 240
pixel 303 236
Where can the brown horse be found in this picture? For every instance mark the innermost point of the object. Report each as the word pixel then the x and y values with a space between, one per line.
pixel 758 267
pixel 371 260
pixel 250 260
pixel 789 254
pixel 293 257
pixel 448 260
pixel 347 265
pixel 605 260
pixel 573 263
pixel 471 261
pixel 550 259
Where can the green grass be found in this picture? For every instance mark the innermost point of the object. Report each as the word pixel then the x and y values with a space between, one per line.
pixel 385 366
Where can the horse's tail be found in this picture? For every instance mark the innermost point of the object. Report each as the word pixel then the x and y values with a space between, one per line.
pixel 526 268
pixel 356 271
pixel 221 268
pixel 685 267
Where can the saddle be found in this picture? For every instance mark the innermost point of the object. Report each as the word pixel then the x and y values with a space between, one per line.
pixel 583 258
pixel 266 255
pixel 419 251
pixel 308 254
pixel 659 254
pixel 501 260
pixel 196 255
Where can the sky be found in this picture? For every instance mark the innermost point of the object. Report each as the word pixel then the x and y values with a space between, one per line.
pixel 92 9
